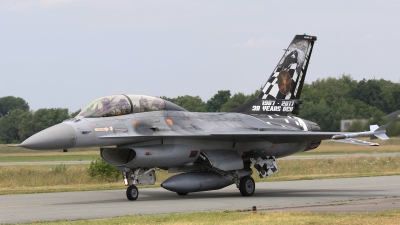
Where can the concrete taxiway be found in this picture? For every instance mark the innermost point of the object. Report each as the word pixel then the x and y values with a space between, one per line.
pixel 269 195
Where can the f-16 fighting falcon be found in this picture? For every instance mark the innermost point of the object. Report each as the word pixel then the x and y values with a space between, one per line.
pixel 208 151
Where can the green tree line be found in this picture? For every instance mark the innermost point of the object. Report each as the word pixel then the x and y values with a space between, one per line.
pixel 325 101
pixel 18 122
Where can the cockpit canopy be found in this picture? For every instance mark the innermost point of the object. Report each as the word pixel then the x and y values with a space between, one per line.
pixel 116 105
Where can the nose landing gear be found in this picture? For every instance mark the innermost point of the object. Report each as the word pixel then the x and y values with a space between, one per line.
pixel 137 176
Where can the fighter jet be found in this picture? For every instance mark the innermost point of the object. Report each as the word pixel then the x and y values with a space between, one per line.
pixel 208 151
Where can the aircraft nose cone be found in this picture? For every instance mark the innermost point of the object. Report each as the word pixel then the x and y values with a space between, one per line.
pixel 60 136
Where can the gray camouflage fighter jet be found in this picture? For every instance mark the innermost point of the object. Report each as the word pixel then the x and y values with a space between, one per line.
pixel 209 151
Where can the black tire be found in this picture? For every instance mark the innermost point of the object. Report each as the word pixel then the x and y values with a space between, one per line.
pixel 132 193
pixel 182 193
pixel 247 186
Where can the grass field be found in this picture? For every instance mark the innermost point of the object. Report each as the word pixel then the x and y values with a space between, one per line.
pixel 5 149
pixel 56 178
pixel 331 147
pixel 45 158
pixel 18 154
pixel 229 217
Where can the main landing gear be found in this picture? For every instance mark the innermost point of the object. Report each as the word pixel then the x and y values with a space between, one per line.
pixel 247 186
pixel 208 180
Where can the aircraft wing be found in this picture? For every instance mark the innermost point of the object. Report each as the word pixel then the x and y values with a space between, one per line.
pixel 279 136
pixel 235 135
pixel 252 135
pixel 295 136
pixel 244 134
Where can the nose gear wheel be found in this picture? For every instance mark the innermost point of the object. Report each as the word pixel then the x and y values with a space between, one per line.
pixel 132 193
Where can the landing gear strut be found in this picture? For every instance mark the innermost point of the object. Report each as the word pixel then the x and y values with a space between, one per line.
pixel 132 193
pixel 137 176
pixel 247 186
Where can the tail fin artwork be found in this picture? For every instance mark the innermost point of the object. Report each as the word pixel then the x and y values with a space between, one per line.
pixel 287 79
pixel 281 93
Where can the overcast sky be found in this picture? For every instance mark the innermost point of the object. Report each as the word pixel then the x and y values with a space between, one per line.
pixel 66 53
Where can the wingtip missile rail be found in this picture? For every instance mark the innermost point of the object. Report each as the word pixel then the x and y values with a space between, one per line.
pixel 374 133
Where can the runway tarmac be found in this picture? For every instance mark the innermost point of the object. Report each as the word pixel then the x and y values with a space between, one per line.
pixel 269 195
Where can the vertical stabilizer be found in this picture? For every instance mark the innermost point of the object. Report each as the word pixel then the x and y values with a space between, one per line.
pixel 281 93
pixel 287 79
